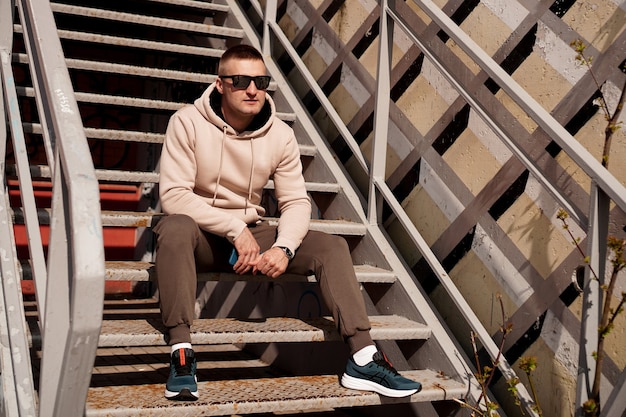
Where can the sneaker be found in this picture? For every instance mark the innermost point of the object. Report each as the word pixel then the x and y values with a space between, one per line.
pixel 378 376
pixel 182 383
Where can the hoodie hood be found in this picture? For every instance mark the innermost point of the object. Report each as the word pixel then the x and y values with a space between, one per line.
pixel 209 104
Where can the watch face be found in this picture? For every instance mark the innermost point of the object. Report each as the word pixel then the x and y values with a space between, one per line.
pixel 287 252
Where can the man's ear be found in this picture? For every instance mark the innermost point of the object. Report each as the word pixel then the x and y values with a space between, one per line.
pixel 219 85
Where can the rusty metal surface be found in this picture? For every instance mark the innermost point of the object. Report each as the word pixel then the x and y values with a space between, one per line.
pixel 146 332
pixel 146 20
pixel 142 271
pixel 263 395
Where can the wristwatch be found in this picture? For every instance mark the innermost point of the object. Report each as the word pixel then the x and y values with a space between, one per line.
pixel 288 253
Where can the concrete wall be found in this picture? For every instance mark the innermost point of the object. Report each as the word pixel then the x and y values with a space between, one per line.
pixel 516 248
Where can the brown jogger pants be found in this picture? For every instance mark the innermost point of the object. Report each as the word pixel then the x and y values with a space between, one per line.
pixel 183 250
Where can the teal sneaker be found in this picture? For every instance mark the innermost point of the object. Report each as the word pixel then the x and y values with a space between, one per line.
pixel 378 376
pixel 182 384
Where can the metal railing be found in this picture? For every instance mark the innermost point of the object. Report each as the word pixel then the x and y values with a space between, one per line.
pixel 604 187
pixel 69 286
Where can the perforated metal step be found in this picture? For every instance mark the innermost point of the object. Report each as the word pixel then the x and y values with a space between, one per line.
pixel 158 22
pixel 265 395
pixel 149 332
pixel 146 219
pixel 142 271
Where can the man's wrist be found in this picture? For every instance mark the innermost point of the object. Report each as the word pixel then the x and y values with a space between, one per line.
pixel 288 253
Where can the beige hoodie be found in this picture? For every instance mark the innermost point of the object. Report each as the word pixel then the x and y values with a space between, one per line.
pixel 216 176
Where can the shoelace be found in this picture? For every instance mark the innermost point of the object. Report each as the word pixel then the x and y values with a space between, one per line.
pixel 380 359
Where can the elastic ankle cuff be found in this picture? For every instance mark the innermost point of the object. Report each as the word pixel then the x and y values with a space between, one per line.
pixel 359 340
pixel 179 334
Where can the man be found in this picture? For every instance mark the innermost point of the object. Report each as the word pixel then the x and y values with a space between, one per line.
pixel 218 155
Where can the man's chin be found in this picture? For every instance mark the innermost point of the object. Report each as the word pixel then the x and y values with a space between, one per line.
pixel 251 110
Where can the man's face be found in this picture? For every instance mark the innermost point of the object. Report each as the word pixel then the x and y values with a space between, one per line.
pixel 240 105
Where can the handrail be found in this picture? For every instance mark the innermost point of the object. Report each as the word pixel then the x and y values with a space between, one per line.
pixel 605 187
pixel 18 389
pixel 71 288
pixel 271 26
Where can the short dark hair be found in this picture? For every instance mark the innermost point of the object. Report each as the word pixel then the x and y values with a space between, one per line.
pixel 240 52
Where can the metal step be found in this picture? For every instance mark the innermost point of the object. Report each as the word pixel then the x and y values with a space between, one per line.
pixel 150 332
pixel 263 395
pixel 193 4
pixel 142 271
pixel 43 171
pixel 135 136
pixel 142 103
pixel 146 219
pixel 137 71
pixel 138 271
pixel 159 22
pixel 134 43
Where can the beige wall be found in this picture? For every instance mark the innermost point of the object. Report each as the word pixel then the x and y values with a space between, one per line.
pixel 538 253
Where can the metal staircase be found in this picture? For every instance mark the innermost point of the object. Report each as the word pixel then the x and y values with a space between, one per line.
pixel 264 346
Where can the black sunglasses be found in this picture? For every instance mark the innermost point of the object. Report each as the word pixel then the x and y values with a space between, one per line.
pixel 243 81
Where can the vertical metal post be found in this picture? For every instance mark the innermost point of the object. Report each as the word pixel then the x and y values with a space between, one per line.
pixel 269 16
pixel 616 403
pixel 74 302
pixel 27 195
pixel 592 295
pixel 55 331
pixel 39 84
pixel 381 113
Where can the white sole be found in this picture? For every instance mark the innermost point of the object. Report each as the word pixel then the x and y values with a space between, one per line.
pixel 365 385
pixel 183 395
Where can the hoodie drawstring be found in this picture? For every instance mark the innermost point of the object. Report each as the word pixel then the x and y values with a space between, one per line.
pixel 219 172
pixel 251 174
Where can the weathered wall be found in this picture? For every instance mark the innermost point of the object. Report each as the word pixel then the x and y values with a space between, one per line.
pixel 446 165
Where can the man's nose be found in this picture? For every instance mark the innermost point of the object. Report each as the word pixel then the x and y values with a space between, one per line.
pixel 252 88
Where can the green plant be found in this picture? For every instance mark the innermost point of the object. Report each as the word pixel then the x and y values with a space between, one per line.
pixel 612 119
pixel 528 364
pixel 592 407
pixel 484 374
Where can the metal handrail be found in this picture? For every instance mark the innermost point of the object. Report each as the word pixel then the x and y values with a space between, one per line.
pixel 605 187
pixel 70 287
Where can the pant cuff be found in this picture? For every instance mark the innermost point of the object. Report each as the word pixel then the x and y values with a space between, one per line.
pixel 359 340
pixel 179 334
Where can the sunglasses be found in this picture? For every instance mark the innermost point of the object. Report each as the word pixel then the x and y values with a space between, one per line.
pixel 243 81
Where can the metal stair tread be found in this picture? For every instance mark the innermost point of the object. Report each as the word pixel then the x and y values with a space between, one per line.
pixel 43 171
pixel 133 43
pixel 263 395
pixel 138 136
pixel 145 219
pixel 140 271
pixel 160 105
pixel 160 22
pixel 150 332
pixel 215 7
pixel 135 70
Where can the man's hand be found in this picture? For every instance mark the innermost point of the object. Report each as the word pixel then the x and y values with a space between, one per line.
pixel 272 263
pixel 248 251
